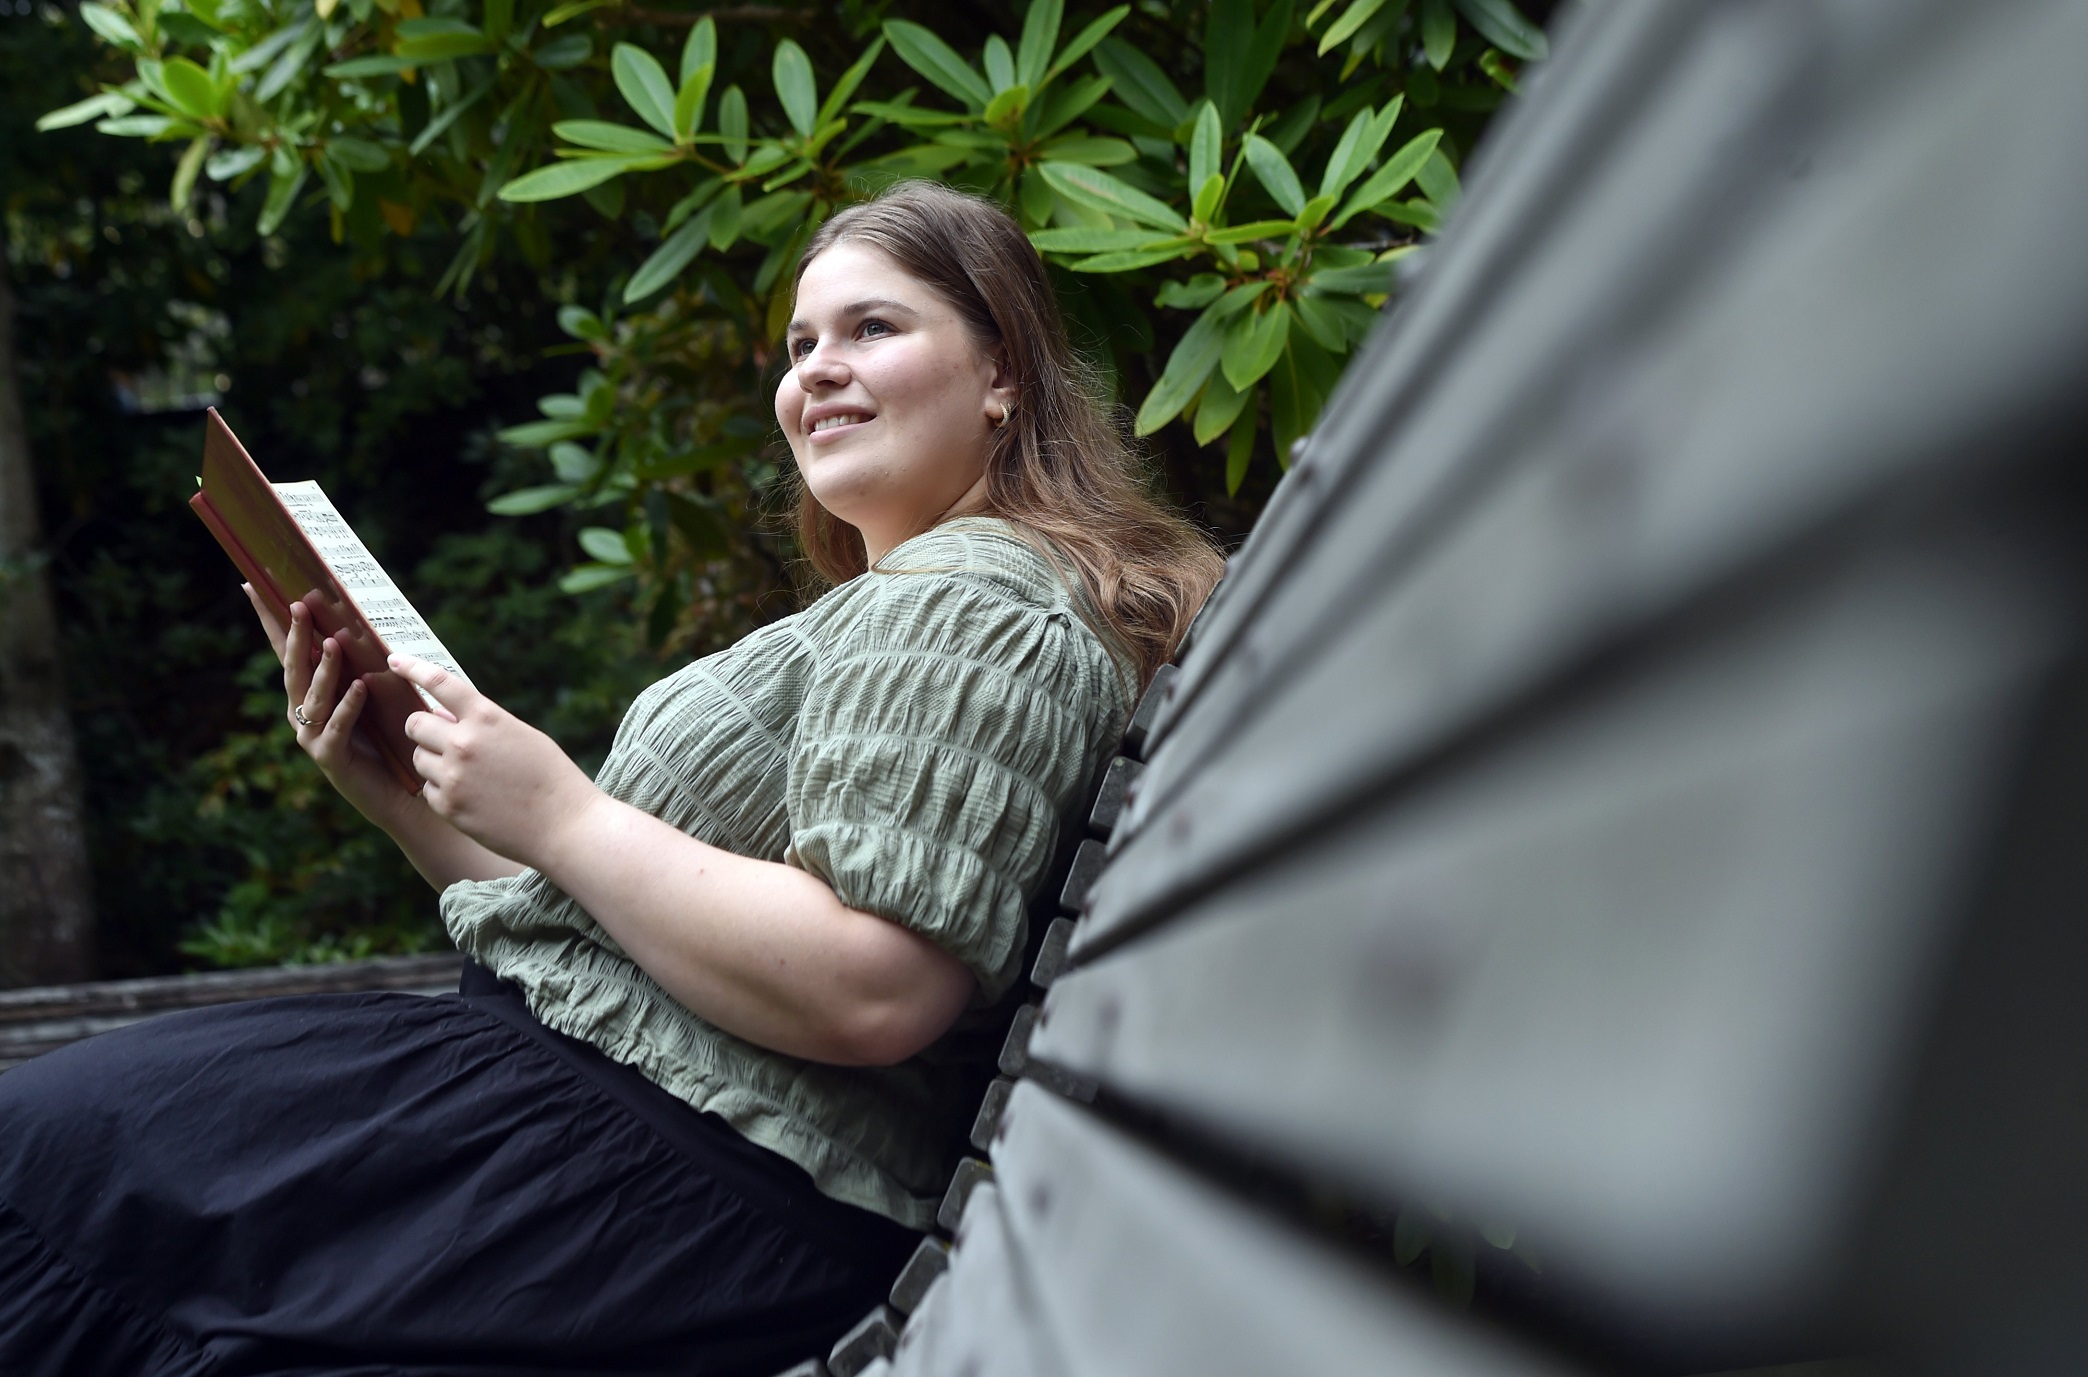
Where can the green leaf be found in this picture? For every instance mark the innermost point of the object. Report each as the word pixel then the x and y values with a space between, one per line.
pixel 282 194
pixel 700 49
pixel 1206 147
pixel 107 104
pixel 732 123
pixel 264 52
pixel 830 108
pixel 357 155
pixel 1040 30
pixel 610 138
pixel 111 26
pixel 185 173
pixel 374 65
pixel 191 89
pixel 643 82
pixel 580 323
pixel 585 578
pixel 1418 212
pixel 1438 180
pixel 688 102
pixel 567 178
pixel 999 63
pixel 1273 171
pixel 499 19
pixel 938 62
pixel 529 501
pixel 1007 107
pixel 1322 322
pixel 691 203
pixel 135 126
pixel 667 261
pixel 1315 211
pixel 1138 82
pixel 1128 262
pixel 1086 39
pixel 1253 344
pixel 1438 32
pixel 1257 229
pixel 443 47
pixel 1207 198
pixel 1500 23
pixel 1200 290
pixel 1097 189
pixel 1090 152
pixel 1088 240
pixel 1239 452
pixel 795 88
pixel 562 54
pixel 231 162
pixel 538 434
pixel 1192 360
pixel 1221 405
pixel 1359 143
pixel 1344 28
pixel 610 547
pixel 1367 280
pixel 1383 184
pixel 1240 55
pixel 573 10
pixel 1298 388
pixel 725 219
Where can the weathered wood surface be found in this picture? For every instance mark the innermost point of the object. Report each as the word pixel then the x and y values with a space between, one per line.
pixel 1094 1255
pixel 1669 392
pixel 1645 974
pixel 39 1020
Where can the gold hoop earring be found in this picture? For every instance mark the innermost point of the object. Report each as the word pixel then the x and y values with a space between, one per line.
pixel 1002 422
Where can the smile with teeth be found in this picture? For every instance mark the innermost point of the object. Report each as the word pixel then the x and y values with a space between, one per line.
pixel 846 418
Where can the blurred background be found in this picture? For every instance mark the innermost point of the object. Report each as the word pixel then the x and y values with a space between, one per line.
pixel 504 277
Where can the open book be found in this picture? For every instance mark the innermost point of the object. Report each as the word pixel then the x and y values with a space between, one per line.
pixel 292 545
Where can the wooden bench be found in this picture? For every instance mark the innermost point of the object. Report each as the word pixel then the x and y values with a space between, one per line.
pixel 1621 831
pixel 36 1021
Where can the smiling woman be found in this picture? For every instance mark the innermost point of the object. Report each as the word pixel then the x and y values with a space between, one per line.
pixel 710 1063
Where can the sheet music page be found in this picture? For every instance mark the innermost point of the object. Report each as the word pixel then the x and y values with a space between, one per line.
pixel 403 629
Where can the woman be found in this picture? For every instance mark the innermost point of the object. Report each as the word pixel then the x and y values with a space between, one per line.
pixel 707 1074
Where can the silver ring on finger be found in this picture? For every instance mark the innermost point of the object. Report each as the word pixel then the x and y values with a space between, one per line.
pixel 302 720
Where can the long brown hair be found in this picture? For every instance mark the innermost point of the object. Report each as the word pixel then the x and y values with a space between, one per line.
pixel 1060 471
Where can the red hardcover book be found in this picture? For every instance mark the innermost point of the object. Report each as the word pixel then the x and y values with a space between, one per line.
pixel 292 545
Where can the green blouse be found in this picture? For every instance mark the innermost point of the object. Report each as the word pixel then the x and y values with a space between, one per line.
pixel 915 738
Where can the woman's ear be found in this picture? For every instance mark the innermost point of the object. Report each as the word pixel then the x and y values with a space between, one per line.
pixel 1002 395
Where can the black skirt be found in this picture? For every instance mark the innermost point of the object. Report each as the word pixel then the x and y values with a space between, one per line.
pixel 387 1183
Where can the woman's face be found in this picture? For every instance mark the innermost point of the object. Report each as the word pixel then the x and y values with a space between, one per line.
pixel 889 403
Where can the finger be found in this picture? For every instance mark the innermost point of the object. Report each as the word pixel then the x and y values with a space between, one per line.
pixel 429 731
pixel 425 764
pixel 297 653
pixel 335 734
pixel 270 623
pixel 441 685
pixel 319 698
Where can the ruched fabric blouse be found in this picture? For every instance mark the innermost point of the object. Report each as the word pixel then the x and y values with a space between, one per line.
pixel 915 738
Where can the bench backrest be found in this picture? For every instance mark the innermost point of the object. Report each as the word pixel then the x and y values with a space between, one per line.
pixel 1621 833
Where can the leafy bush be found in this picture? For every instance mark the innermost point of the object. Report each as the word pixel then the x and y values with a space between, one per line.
pixel 1240 183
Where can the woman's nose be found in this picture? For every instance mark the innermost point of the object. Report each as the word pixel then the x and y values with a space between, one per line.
pixel 820 365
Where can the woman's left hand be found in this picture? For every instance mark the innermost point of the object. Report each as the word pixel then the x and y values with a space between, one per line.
pixel 495 778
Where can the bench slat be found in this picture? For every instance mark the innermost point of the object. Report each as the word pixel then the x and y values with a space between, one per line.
pixel 1643 978
pixel 1139 1267
pixel 979 1320
pixel 1691 448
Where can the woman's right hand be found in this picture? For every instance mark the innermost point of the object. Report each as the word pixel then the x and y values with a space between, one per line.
pixel 323 714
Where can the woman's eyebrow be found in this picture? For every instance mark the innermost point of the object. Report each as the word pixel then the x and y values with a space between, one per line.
pixel 858 308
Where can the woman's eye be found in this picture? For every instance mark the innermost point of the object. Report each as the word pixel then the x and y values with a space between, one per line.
pixel 873 328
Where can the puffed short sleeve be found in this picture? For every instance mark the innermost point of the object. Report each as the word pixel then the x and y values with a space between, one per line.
pixel 950 724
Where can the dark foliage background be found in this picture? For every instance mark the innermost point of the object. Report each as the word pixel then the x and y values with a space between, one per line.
pixel 335 357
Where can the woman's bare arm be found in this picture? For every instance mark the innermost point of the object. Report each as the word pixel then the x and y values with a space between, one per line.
pixel 763 950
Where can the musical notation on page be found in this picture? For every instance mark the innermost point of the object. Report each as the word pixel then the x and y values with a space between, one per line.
pixel 404 630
